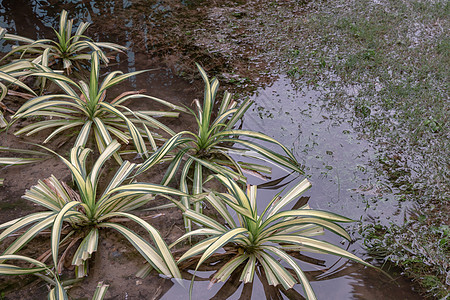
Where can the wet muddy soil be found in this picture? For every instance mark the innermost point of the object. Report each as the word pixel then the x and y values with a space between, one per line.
pixel 170 36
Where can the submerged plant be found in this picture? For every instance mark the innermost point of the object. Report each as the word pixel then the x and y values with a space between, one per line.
pixel 212 147
pixel 87 211
pixel 71 49
pixel 85 105
pixel 263 240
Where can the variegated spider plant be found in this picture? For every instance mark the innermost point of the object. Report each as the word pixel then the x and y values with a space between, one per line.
pixel 86 105
pixel 83 213
pixel 68 48
pixel 262 240
pixel 213 146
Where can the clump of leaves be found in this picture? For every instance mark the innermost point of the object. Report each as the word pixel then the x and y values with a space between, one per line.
pixel 263 240
pixel 86 211
pixel 85 105
pixel 212 147
pixel 68 48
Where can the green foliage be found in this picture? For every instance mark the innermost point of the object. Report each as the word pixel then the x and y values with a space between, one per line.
pixel 263 240
pixel 71 49
pixel 87 211
pixel 420 246
pixel 85 105
pixel 76 216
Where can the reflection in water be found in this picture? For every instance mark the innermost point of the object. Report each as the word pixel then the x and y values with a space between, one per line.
pixel 339 280
pixel 337 161
pixel 233 288
pixel 28 19
pixel 336 158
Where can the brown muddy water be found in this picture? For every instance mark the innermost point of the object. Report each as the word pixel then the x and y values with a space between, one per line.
pixel 336 158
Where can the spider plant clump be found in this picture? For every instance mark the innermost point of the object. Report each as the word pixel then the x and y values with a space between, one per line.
pixel 85 105
pixel 265 240
pixel 212 147
pixel 69 49
pixel 86 211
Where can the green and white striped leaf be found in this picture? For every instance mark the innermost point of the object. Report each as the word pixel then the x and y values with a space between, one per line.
pixel 294 193
pixel 201 231
pixel 249 270
pixel 198 248
pixel 144 188
pixel 306 213
pixel 255 135
pixel 221 209
pixel 225 271
pixel 290 226
pixel 58 293
pixel 279 273
pixel 161 246
pixel 156 157
pixel 106 154
pixel 29 234
pixel 13 226
pixel 220 242
pixel 204 220
pixel 7 269
pixel 273 157
pixel 324 247
pixel 100 291
pixel 86 248
pixel 56 229
pixel 146 250
pixel 121 175
pixel 310 295
pixel 83 135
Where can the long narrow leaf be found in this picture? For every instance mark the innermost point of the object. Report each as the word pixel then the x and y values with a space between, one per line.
pixel 310 295
pixel 294 193
pixel 56 229
pixel 221 241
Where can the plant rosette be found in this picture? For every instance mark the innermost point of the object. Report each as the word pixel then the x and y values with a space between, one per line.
pixel 263 240
pixel 85 105
pixel 71 49
pixel 212 147
pixel 82 214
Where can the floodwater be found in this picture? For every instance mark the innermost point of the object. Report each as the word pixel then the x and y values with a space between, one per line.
pixel 335 156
